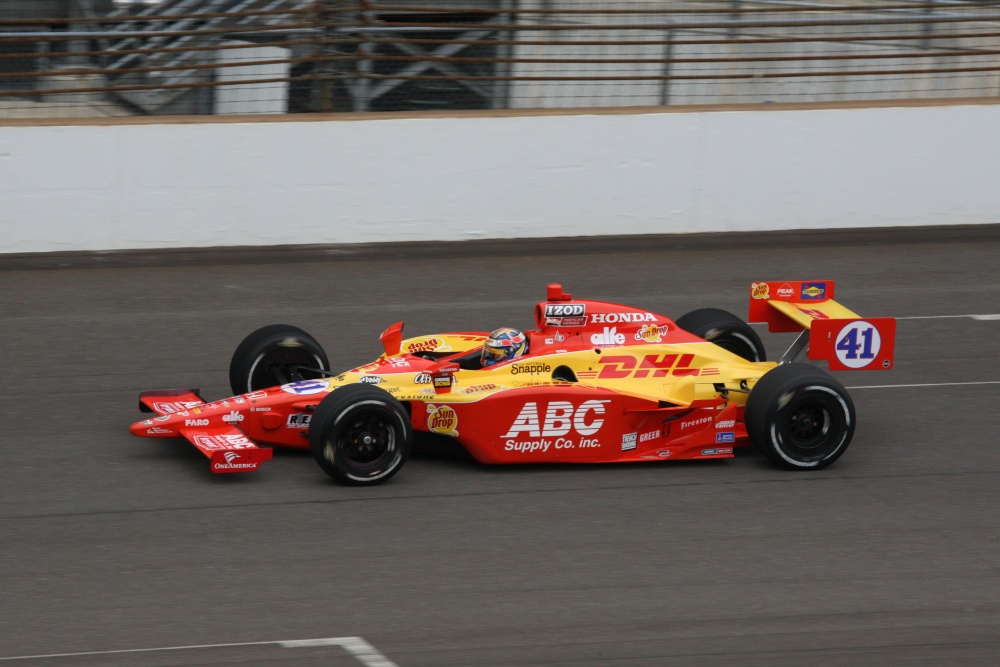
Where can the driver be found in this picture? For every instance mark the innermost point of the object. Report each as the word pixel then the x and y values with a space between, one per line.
pixel 503 345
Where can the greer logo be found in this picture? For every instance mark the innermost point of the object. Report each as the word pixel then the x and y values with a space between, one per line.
pixel 530 369
pixel 442 419
pixel 651 333
pixel 196 422
pixel 657 366
pixel 561 417
pixel 759 291
pixel 611 318
pixel 565 310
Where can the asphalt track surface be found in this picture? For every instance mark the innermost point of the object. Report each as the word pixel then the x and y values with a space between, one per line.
pixel 116 550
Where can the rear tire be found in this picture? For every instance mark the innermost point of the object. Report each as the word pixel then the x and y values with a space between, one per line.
pixel 799 417
pixel 275 355
pixel 725 330
pixel 360 435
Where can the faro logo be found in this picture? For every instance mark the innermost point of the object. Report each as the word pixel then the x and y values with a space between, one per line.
pixel 560 418
pixel 196 422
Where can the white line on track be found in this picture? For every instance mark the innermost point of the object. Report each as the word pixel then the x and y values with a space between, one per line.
pixel 932 384
pixel 981 318
pixel 364 652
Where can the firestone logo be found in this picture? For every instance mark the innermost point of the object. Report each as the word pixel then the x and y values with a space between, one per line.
pixel 695 422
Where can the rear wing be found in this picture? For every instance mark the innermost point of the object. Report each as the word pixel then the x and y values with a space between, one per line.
pixel 832 332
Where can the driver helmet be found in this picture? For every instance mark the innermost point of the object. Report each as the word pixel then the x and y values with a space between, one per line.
pixel 503 345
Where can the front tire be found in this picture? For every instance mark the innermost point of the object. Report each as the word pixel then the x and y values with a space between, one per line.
pixel 360 435
pixel 799 417
pixel 275 355
pixel 725 330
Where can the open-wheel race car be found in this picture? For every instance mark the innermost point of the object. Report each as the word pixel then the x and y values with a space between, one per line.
pixel 593 382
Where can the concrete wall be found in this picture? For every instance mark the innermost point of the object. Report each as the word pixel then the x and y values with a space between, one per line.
pixel 398 179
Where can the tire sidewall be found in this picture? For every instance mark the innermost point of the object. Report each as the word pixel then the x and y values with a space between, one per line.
pixel 267 341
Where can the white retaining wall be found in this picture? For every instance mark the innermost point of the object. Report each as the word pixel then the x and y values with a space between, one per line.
pixel 351 181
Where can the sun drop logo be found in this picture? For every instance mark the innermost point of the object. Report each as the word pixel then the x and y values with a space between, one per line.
pixel 442 419
pixel 651 333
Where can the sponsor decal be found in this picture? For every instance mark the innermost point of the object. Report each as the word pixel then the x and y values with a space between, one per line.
pixel 260 409
pixel 442 381
pixel 306 387
pixel 427 345
pixel 530 368
pixel 726 423
pixel 566 321
pixel 759 291
pixel 629 441
pixel 548 341
pixel 370 379
pixel 231 463
pixel 177 406
pixel 422 378
pixel 256 396
pixel 233 417
pixel 726 436
pixel 651 333
pixel 479 388
pixel 813 313
pixel 709 452
pixel 612 318
pixel 561 417
pixel 609 336
pixel 858 344
pixel 725 450
pixel 442 419
pixel 652 365
pixel 695 422
pixel 663 453
pixel 225 441
pixel 196 422
pixel 813 291
pixel 785 292
pixel 157 430
pixel 298 420
pixel 398 362
pixel 649 435
pixel 559 337
pixel 565 309
pixel 240 400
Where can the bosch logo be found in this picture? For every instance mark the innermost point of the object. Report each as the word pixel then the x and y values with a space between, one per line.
pixel 565 309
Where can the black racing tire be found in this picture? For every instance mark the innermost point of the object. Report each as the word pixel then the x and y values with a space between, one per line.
pixel 725 330
pixel 360 435
pixel 799 417
pixel 275 355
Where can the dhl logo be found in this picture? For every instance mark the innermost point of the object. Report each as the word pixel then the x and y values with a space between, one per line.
pixel 651 365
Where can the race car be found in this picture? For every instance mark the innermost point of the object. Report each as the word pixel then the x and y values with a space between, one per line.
pixel 593 382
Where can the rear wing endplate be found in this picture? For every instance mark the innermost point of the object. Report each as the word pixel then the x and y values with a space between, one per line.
pixel 831 331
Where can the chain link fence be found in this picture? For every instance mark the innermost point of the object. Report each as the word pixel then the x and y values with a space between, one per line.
pixel 80 58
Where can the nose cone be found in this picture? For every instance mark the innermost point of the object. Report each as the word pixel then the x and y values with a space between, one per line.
pixel 153 428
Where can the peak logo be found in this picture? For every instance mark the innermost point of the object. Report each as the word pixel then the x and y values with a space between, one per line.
pixel 617 367
pixel 560 418
pixel 612 318
pixel 609 336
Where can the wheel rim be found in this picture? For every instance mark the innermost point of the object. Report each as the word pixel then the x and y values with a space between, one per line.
pixel 811 427
pixel 365 442
pixel 281 367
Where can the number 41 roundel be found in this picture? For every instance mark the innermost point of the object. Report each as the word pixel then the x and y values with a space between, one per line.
pixel 866 344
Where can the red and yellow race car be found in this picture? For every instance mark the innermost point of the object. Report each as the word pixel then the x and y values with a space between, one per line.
pixel 594 382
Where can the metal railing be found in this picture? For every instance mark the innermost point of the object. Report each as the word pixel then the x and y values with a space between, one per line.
pixel 287 56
